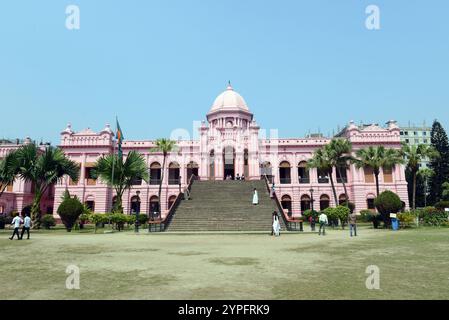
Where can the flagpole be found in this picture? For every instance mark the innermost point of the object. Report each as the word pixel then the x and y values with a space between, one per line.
pixel 113 157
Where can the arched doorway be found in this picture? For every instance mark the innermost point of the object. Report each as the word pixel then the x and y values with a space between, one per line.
pixel 305 203
pixel 171 200
pixel 286 202
pixel 192 170
pixel 212 165
pixel 155 173
pixel 324 202
pixel 342 199
pixel 285 172
pixel 90 203
pixel 135 205
pixel 228 162
pixel 154 204
pixel 173 173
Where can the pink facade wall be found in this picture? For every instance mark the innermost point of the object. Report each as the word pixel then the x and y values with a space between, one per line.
pixel 234 138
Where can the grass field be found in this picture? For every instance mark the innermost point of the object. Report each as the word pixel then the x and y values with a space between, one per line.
pixel 414 264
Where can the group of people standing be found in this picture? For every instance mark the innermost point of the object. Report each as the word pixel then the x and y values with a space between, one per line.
pixel 237 177
pixel 16 222
pixel 323 222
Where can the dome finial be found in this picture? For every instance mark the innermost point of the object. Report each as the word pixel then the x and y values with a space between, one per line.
pixel 229 86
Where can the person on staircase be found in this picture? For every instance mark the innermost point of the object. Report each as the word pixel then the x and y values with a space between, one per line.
pixel 255 197
pixel 276 226
pixel 237 177
pixel 242 177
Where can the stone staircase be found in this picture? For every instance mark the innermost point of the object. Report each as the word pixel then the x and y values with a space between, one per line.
pixel 225 206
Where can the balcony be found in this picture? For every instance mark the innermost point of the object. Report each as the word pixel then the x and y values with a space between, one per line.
pixel 174 181
pixel 91 182
pixel 154 182
pixel 341 180
pixel 304 180
pixel 323 180
pixel 286 180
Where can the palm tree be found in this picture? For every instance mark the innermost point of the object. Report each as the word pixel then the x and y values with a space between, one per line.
pixel 165 146
pixel 7 174
pixel 322 161
pixel 339 151
pixel 120 174
pixel 376 158
pixel 426 174
pixel 413 155
pixel 43 168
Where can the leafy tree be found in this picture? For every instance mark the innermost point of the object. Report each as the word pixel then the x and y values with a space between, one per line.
pixel 339 151
pixel 388 202
pixel 69 210
pixel 322 160
pixel 43 169
pixel 48 221
pixel 120 173
pixel 165 146
pixel 439 165
pixel 377 158
pixel 7 172
pixel 413 156
pixel 445 192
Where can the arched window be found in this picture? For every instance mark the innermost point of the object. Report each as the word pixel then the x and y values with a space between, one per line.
pixel 324 202
pixel 90 203
pixel 155 173
pixel 323 176
pixel 303 172
pixel 370 202
pixel 285 172
pixel 286 202
pixel 135 205
pixel 173 173
pixel 305 203
pixel 154 204
pixel 212 165
pixel 342 199
pixel 192 170
pixel 343 171
pixel 171 200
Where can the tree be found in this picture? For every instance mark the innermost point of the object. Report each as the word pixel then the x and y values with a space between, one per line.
pixel 165 146
pixel 445 192
pixel 413 156
pixel 322 161
pixel 120 174
pixel 43 168
pixel 387 202
pixel 439 165
pixel 339 151
pixel 69 210
pixel 424 174
pixel 377 158
pixel 7 172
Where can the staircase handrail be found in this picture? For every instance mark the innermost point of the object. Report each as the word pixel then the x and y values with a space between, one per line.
pixel 285 217
pixel 166 221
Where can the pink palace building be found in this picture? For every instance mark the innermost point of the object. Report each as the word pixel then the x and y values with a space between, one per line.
pixel 230 142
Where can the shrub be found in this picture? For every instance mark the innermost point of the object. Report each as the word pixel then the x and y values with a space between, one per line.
pixel 433 217
pixel 310 213
pixel 48 221
pixel 69 210
pixel 2 221
pixel 119 219
pixel 407 219
pixel 342 213
pixel 388 202
pixel 442 205
pixel 370 216
pixel 143 218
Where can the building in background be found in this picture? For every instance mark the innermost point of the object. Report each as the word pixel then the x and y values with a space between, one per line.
pixel 415 135
pixel 230 142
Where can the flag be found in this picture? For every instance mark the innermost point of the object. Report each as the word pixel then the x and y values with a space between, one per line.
pixel 119 136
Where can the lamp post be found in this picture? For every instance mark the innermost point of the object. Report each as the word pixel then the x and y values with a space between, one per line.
pixel 136 225
pixel 311 198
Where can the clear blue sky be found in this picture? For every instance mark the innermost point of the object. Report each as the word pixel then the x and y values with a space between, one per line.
pixel 158 65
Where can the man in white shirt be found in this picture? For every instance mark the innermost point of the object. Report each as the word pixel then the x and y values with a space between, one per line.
pixel 322 219
pixel 26 226
pixel 16 222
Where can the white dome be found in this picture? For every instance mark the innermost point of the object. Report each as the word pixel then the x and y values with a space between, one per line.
pixel 229 99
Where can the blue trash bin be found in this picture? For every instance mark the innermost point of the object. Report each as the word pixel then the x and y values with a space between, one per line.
pixel 395 224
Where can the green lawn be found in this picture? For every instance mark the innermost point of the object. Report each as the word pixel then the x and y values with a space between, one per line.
pixel 414 264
